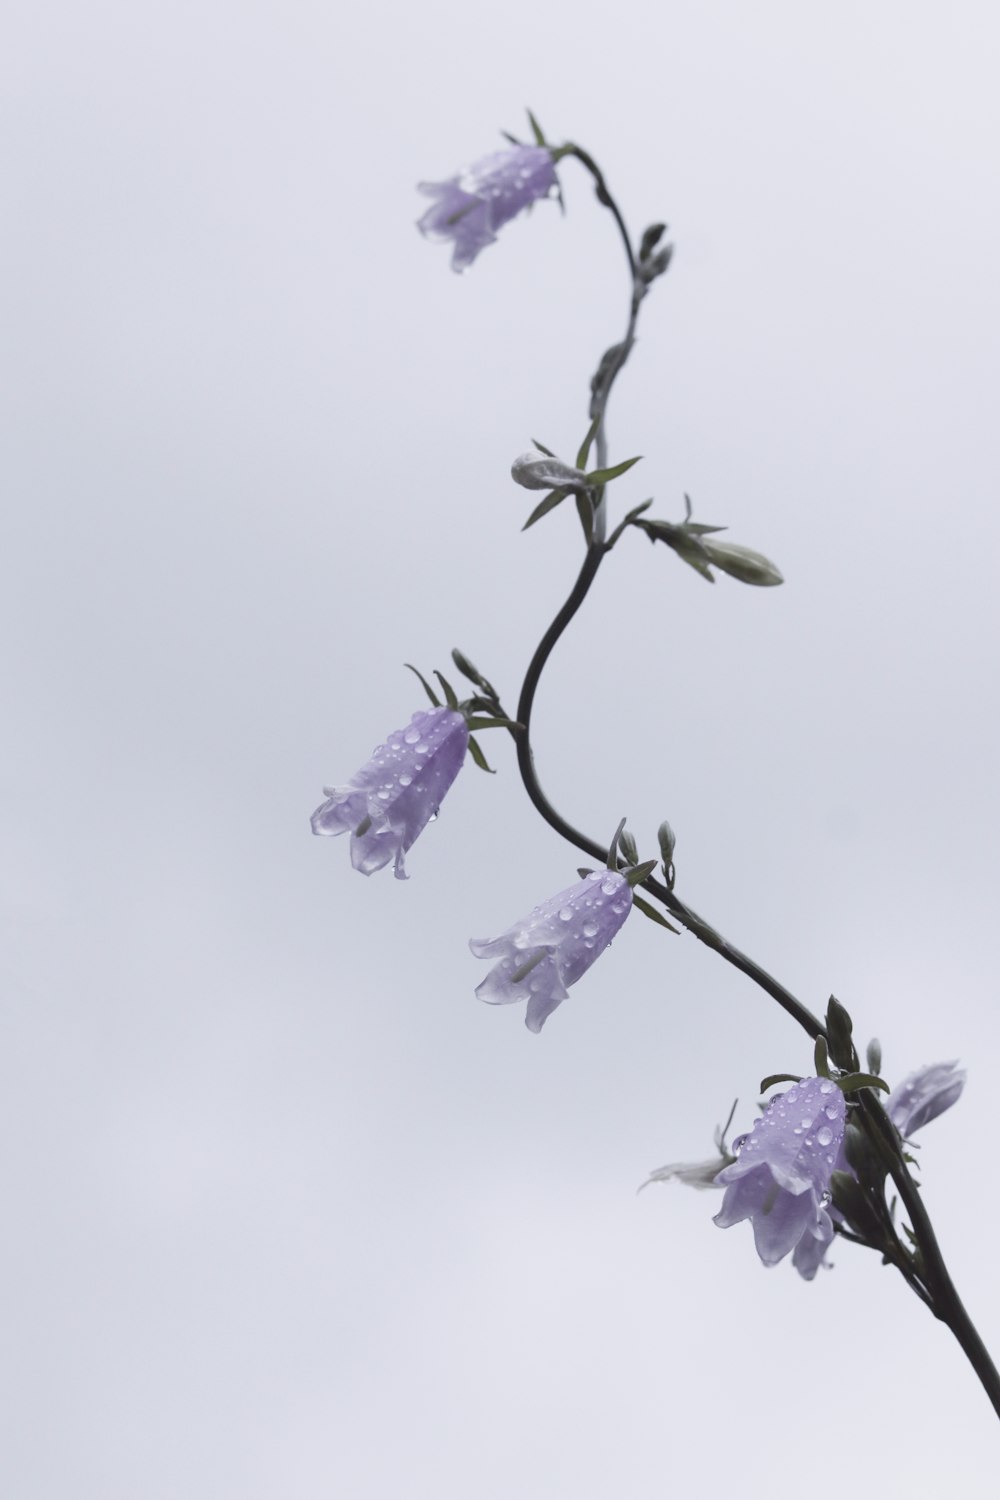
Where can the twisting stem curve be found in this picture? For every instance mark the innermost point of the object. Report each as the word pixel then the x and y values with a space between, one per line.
pixel 928 1276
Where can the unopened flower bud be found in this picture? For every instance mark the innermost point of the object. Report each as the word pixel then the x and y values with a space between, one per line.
pixel 741 562
pixel 539 471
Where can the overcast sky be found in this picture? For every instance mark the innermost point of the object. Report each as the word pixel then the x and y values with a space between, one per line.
pixel 288 1213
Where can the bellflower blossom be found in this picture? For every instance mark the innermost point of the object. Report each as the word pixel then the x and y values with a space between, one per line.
pixel 781 1177
pixel 391 800
pixel 923 1095
pixel 551 948
pixel 472 206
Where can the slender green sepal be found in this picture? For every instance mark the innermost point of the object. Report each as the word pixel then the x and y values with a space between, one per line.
pixel 821 1060
pixel 426 685
pixel 552 499
pixel 451 697
pixel 852 1081
pixel 536 130
pixel 478 756
pixel 765 1083
pixel 598 477
pixel 585 446
pixel 585 511
pixel 640 873
pixel 613 848
pixel 654 916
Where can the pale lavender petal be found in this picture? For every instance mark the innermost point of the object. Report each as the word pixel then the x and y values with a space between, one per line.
pixel 394 796
pixel 780 1179
pixel 810 1252
pixel 554 945
pixel 924 1094
pixel 471 207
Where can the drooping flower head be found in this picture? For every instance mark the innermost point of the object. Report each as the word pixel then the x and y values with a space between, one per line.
pixel 923 1095
pixel 472 206
pixel 551 948
pixel 393 797
pixel 780 1179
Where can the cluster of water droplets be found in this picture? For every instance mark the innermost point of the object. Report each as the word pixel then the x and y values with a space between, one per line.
pixel 818 1124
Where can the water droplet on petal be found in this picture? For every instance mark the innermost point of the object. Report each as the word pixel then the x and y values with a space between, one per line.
pixel 405 780
pixel 826 1087
pixel 590 929
pixel 411 736
pixel 831 1111
pixel 824 1136
pixel 566 914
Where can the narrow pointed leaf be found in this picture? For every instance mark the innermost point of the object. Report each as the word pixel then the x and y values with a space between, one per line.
pixel 641 904
pixel 426 685
pixel 479 757
pixel 604 476
pixel 552 499
pixel 586 514
pixel 585 446
pixel 536 130
pixel 852 1081
pixel 451 697
pixel 542 449
pixel 772 1078
pixel 494 723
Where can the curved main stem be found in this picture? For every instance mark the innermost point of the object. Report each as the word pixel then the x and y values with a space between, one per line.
pixel 929 1271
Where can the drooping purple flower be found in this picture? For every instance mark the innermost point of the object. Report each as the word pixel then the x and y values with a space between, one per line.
pixel 781 1177
pixel 471 207
pixel 393 797
pixel 923 1095
pixel 551 948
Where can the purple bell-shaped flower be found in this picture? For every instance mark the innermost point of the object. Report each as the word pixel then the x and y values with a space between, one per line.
pixel 391 800
pixel 780 1179
pixel 472 206
pixel 551 948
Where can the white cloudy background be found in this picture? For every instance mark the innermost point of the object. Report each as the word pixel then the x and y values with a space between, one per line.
pixel 287 1213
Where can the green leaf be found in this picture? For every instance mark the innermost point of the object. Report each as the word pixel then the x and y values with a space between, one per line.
pixel 640 873
pixel 479 757
pixel 542 449
pixel 451 697
pixel 487 723
pixel 649 911
pixel 821 1058
pixel 765 1083
pixel 852 1081
pixel 604 476
pixel 552 499
pixel 536 130
pixel 426 685
pixel 585 511
pixel 584 451
pixel 629 520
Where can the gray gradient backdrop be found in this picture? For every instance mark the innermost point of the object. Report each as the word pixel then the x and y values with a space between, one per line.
pixel 287 1213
